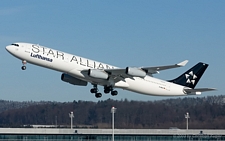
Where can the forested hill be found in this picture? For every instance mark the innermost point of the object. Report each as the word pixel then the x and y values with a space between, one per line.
pixel 205 113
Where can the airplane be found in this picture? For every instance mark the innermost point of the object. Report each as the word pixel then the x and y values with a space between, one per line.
pixel 80 71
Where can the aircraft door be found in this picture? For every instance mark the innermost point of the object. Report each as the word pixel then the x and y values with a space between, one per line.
pixel 27 48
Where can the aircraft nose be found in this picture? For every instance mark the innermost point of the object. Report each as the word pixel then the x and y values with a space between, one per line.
pixel 9 48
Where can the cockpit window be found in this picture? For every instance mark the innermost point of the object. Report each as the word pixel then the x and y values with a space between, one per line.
pixel 15 45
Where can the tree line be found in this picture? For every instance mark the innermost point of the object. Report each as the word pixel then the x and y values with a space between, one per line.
pixel 205 113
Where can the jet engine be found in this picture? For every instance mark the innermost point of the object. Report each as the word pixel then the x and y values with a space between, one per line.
pixel 72 80
pixel 135 72
pixel 100 74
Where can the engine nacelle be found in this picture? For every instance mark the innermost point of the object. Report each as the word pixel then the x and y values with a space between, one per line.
pixel 136 72
pixel 72 80
pixel 100 74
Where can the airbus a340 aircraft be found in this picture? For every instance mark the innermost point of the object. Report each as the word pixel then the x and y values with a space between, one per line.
pixel 79 71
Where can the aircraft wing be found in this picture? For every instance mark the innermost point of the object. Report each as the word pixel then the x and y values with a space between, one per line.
pixel 147 70
pixel 153 70
pixel 198 90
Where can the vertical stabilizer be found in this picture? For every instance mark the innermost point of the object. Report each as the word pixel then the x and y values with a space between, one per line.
pixel 191 77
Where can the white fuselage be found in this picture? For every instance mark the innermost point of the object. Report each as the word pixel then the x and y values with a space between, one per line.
pixel 74 65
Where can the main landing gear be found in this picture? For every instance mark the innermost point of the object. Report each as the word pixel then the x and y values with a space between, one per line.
pixel 24 62
pixel 95 90
pixel 107 89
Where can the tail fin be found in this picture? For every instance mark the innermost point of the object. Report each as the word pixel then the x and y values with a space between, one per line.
pixel 191 77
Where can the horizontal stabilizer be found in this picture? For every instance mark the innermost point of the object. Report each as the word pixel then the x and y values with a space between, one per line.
pixel 198 90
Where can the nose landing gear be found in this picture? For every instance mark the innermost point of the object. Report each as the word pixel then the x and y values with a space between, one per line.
pixel 24 62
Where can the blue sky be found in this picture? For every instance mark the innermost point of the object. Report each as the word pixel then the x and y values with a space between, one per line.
pixel 120 33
